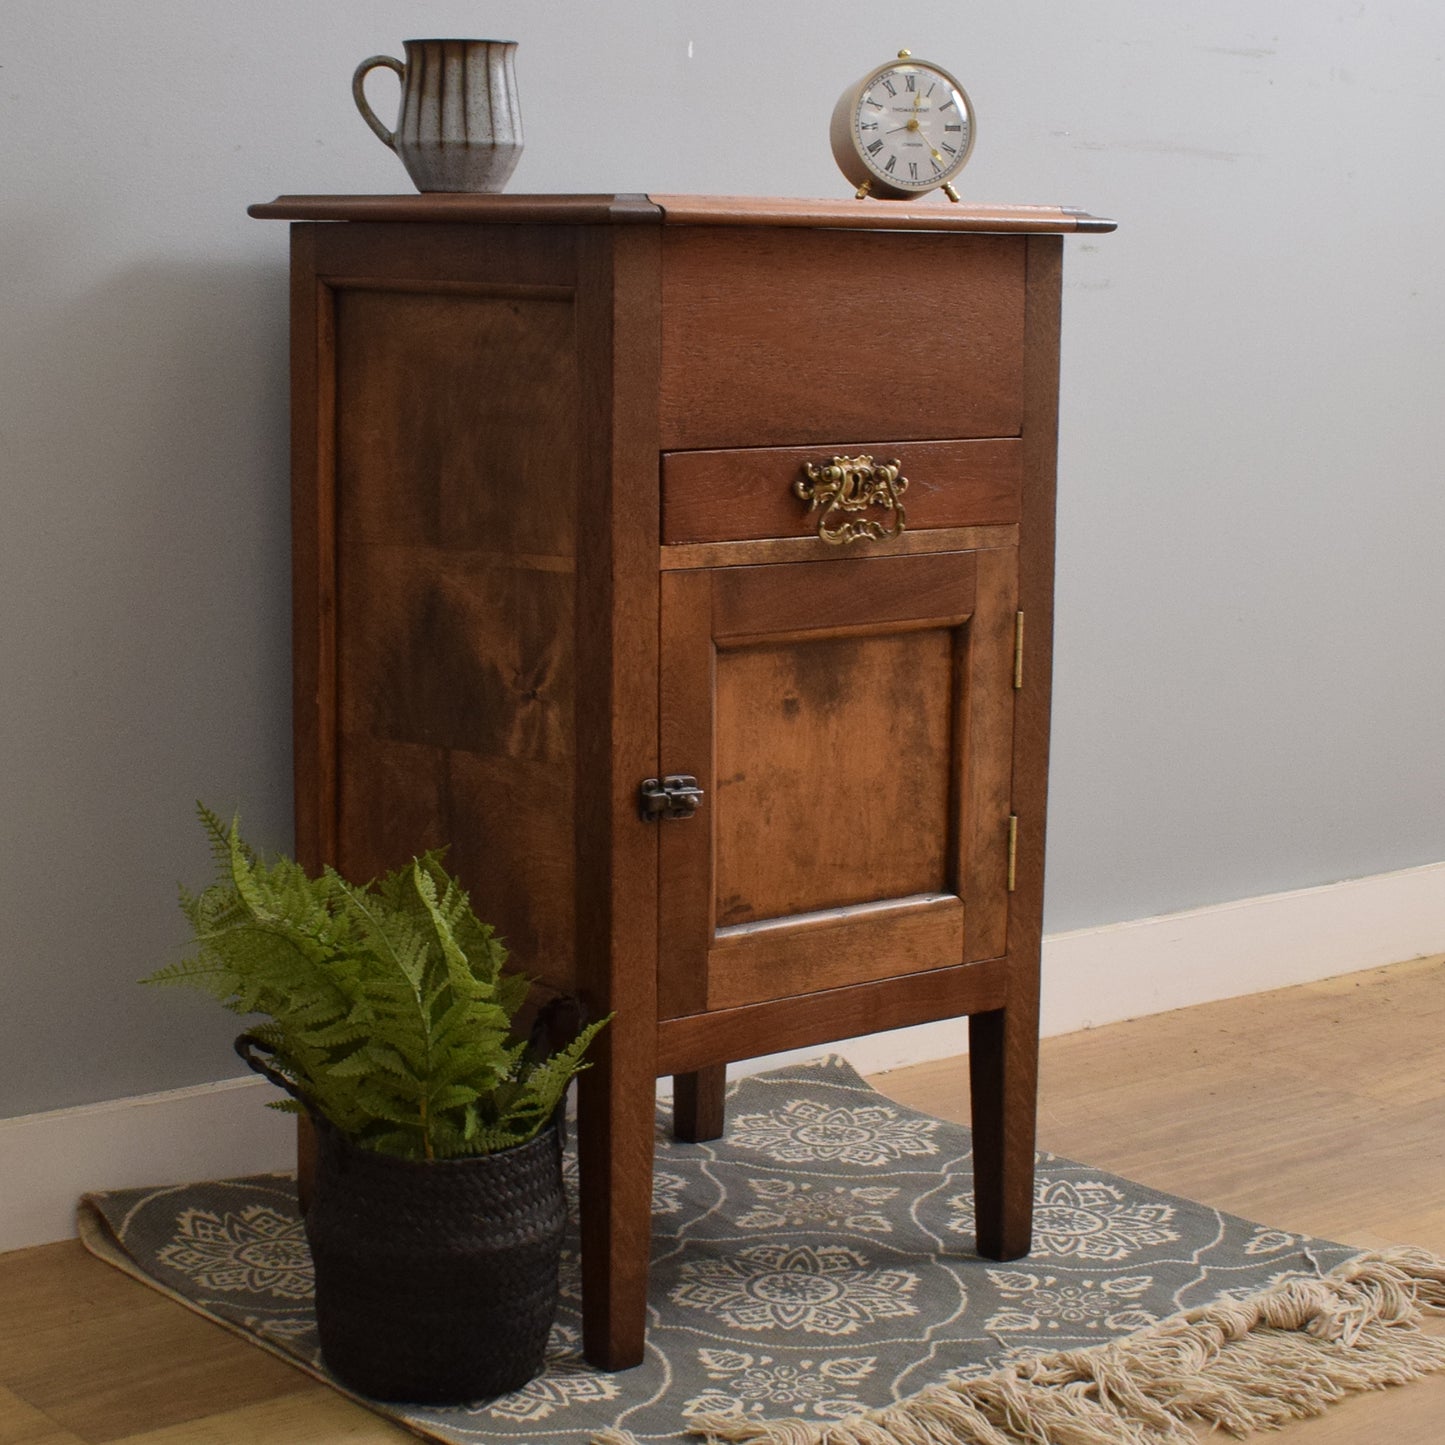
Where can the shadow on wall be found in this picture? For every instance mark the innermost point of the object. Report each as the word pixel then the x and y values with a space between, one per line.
pixel 144 586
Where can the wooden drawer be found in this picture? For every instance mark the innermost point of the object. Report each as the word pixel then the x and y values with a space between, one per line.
pixel 735 496
pixel 774 337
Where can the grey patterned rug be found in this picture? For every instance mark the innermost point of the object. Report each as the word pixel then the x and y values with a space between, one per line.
pixel 815 1263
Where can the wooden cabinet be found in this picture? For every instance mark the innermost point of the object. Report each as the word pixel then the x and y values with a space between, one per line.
pixel 562 477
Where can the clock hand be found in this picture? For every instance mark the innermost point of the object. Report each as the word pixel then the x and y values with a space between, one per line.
pixel 914 125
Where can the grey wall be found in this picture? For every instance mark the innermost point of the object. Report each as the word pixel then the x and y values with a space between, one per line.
pixel 1249 683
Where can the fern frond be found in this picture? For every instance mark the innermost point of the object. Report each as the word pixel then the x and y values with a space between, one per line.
pixel 446 1108
pixel 218 835
pixel 387 1005
pixel 546 1083
pixel 394 1141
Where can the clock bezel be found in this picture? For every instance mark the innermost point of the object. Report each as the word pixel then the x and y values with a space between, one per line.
pixel 847 145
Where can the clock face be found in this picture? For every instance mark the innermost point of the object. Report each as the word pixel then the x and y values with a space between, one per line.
pixel 912 127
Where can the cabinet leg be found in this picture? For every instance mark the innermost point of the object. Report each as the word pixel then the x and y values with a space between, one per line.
pixel 698 1111
pixel 1003 1075
pixel 614 1147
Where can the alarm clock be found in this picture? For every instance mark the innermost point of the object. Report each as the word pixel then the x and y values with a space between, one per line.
pixel 905 129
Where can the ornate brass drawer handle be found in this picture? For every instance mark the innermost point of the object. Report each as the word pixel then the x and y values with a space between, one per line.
pixel 847 487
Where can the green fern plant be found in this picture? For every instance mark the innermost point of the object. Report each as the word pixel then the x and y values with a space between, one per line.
pixel 387 1006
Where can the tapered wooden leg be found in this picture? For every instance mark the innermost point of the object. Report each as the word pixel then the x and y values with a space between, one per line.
pixel 614 1146
pixel 698 1110
pixel 1003 1056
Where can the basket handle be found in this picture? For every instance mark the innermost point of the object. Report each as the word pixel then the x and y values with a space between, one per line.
pixel 256 1053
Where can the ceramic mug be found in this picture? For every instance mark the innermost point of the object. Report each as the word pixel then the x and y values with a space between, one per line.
pixel 459 127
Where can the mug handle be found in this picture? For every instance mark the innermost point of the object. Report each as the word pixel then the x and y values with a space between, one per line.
pixel 387 137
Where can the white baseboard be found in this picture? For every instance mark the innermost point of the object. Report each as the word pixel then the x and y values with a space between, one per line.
pixel 1118 971
pixel 47 1161
pixel 1092 976
pixel 1098 976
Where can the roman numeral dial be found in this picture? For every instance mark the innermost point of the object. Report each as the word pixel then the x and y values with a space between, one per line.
pixel 904 129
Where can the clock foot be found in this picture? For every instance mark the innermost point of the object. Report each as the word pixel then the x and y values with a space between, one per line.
pixel 862 191
pixel 950 193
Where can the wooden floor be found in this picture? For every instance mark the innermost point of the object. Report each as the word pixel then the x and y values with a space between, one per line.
pixel 1318 1109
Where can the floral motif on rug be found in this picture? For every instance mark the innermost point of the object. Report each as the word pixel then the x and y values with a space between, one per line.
pixel 814 1263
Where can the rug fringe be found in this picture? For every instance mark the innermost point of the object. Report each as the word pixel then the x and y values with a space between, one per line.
pixel 1288 1352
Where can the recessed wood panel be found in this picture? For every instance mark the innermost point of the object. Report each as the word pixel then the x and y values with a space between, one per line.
pixel 394 804
pixel 456 524
pixel 775 337
pixel 734 496
pixel 511 855
pixel 456 649
pixel 833 772
pixel 458 420
pixel 512 844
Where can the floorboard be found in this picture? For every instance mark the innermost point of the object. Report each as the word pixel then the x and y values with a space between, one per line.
pixel 1319 1109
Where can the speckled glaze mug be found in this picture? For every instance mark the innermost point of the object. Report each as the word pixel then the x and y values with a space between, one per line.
pixel 459 127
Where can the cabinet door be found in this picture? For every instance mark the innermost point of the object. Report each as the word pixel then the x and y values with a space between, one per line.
pixel 851 722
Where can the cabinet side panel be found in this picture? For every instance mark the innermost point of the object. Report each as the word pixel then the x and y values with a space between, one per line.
pixel 456 504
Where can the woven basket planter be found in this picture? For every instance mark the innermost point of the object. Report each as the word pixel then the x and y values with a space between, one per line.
pixel 436 1280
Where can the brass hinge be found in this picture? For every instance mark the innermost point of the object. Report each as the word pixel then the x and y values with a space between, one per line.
pixel 1018 649
pixel 1013 848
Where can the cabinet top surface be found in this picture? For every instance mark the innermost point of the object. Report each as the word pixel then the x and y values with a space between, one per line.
pixel 849 214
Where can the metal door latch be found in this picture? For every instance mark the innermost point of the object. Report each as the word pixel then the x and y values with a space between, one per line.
pixel 675 796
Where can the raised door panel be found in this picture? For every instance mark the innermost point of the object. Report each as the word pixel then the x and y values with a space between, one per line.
pixel 850 723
